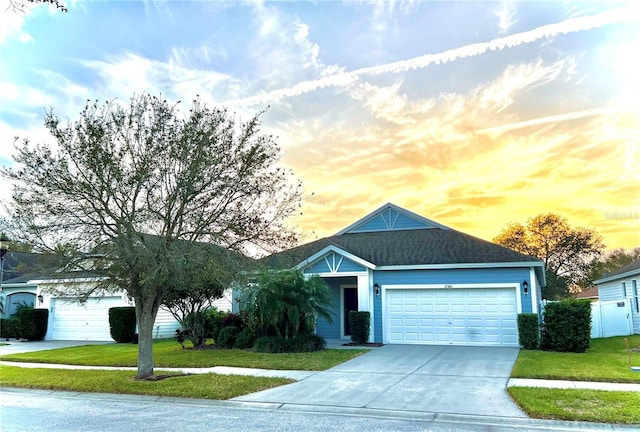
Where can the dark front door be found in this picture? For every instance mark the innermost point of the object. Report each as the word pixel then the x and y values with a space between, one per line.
pixel 350 304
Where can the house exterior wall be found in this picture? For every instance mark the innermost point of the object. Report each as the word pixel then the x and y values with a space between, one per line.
pixel 323 327
pixel 450 277
pixel 613 290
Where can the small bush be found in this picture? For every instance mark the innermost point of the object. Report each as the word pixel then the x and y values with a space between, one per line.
pixel 303 343
pixel 227 337
pixel 359 323
pixel 9 328
pixel 528 331
pixel 245 339
pixel 122 323
pixel 33 323
pixel 567 326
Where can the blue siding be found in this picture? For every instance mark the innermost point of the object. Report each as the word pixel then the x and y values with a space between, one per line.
pixel 388 220
pixel 323 327
pixel 453 276
pixel 321 266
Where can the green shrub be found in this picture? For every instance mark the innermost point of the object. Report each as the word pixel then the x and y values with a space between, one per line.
pixel 227 337
pixel 528 331
pixel 33 323
pixel 9 328
pixel 359 323
pixel 303 343
pixel 567 326
pixel 245 339
pixel 122 323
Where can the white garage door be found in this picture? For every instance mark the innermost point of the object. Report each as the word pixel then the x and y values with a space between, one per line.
pixel 88 321
pixel 475 316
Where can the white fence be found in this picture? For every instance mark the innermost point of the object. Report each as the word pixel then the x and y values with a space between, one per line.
pixel 611 318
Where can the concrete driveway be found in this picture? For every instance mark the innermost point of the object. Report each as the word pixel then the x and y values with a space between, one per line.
pixel 437 379
pixel 16 346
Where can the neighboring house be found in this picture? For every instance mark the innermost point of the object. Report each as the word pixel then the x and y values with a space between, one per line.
pixel 620 290
pixel 68 318
pixel 588 294
pixel 422 282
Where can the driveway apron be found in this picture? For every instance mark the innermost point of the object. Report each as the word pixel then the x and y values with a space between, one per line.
pixel 437 379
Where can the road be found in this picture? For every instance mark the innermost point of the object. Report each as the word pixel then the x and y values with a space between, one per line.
pixel 44 411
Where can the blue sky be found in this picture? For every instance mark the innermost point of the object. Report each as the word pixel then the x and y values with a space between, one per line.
pixel 474 114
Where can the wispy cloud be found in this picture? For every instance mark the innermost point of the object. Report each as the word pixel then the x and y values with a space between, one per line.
pixel 543 32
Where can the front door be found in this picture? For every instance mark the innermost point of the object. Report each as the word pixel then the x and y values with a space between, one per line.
pixel 349 303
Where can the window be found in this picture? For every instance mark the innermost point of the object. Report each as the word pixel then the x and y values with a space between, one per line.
pixel 634 287
pixel 624 290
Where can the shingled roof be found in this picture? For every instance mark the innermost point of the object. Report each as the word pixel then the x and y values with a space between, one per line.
pixel 405 247
pixel 630 268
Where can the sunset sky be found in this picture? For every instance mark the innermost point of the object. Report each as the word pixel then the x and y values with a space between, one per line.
pixel 473 114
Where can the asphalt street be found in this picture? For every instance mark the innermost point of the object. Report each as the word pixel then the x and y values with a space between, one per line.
pixel 46 411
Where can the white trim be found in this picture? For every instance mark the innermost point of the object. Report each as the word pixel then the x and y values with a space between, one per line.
pixel 383 292
pixel 533 290
pixel 342 317
pixel 461 266
pixel 336 275
pixel 400 210
pixel 625 275
pixel 316 257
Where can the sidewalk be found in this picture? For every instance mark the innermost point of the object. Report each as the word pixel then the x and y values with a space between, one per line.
pixel 299 375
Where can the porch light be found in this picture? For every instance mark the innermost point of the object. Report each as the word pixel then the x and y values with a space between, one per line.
pixel 525 287
pixel 40 299
pixel 376 288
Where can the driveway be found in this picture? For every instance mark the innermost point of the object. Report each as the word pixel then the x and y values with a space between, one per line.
pixel 16 346
pixel 437 379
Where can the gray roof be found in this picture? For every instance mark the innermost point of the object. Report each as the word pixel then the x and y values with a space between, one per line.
pixel 405 247
pixel 630 268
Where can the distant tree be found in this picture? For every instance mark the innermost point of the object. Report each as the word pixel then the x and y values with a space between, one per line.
pixel 20 5
pixel 126 184
pixel 568 253
pixel 610 262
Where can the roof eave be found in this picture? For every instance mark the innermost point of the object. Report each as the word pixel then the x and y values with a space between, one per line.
pixel 612 278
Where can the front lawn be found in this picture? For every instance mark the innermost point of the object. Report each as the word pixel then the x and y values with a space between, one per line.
pixel 579 405
pixel 201 386
pixel 167 353
pixel 605 360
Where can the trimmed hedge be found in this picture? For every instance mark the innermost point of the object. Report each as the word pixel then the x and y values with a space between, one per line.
pixel 528 331
pixel 303 343
pixel 9 328
pixel 245 339
pixel 227 337
pixel 33 323
pixel 122 323
pixel 567 326
pixel 360 324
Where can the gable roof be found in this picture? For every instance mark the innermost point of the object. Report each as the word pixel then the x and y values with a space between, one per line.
pixel 406 248
pixel 390 217
pixel 623 272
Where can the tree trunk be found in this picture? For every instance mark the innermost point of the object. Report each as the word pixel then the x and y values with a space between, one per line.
pixel 146 312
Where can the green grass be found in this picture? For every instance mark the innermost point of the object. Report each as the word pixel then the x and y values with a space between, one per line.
pixel 579 405
pixel 204 386
pixel 167 353
pixel 606 360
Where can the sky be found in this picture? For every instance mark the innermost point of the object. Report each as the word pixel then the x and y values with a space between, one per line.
pixel 474 114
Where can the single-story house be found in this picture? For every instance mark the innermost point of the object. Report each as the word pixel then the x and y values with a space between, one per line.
pixel 620 288
pixel 588 294
pixel 422 282
pixel 68 318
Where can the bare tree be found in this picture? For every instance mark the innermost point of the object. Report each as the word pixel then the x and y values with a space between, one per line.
pixel 20 5
pixel 125 184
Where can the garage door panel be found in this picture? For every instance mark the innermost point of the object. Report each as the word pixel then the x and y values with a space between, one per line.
pixel 481 316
